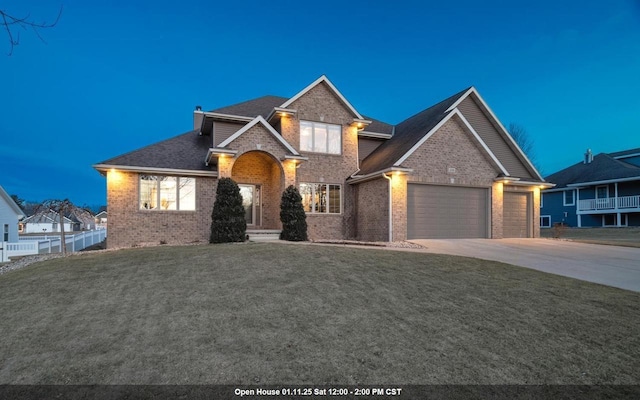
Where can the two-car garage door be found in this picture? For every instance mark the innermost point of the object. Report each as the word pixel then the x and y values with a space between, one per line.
pixel 447 212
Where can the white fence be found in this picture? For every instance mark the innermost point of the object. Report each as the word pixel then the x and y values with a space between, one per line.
pixel 29 245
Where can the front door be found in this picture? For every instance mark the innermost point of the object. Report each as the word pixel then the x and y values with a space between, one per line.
pixel 251 203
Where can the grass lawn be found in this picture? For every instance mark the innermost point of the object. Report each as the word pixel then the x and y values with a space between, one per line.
pixel 629 237
pixel 305 314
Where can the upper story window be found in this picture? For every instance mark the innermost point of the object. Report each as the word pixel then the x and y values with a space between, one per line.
pixel 569 198
pixel 318 137
pixel 159 192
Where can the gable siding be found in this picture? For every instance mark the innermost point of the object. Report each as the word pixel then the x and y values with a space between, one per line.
pixel 223 130
pixel 366 146
pixel 490 135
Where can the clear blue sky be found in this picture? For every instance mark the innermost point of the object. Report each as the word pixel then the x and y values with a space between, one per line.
pixel 111 79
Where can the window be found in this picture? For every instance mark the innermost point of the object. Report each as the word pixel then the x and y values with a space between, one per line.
pixel 167 193
pixel 6 233
pixel 545 221
pixel 602 192
pixel 320 198
pixel 541 200
pixel 320 138
pixel 569 198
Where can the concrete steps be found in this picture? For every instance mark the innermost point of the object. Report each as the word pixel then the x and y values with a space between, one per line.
pixel 263 235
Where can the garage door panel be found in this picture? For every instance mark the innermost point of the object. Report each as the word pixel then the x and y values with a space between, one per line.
pixel 515 215
pixel 435 211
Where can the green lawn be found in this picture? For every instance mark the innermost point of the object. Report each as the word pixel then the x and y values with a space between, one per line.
pixel 306 314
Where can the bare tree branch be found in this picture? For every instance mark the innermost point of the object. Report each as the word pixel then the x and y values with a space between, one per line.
pixel 11 22
pixel 525 141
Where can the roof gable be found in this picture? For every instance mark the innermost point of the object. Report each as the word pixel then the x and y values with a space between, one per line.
pixel 268 127
pixel 10 203
pixel 325 80
pixel 407 134
pixel 494 134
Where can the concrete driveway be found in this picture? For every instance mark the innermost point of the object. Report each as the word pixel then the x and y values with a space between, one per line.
pixel 609 265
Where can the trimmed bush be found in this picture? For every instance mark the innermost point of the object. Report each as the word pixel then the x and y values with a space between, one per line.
pixel 292 215
pixel 228 222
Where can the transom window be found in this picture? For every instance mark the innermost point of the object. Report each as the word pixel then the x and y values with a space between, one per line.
pixel 318 137
pixel 320 198
pixel 159 192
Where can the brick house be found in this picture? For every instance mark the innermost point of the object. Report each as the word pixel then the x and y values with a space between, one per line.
pixel 450 171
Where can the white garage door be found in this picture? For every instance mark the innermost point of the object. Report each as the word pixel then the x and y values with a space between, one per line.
pixel 447 212
pixel 515 215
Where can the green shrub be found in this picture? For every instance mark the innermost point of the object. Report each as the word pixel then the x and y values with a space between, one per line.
pixel 228 222
pixel 292 215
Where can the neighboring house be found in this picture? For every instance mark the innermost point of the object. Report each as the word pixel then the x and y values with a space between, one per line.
pixel 101 219
pixel 450 171
pixel 47 222
pixel 83 220
pixel 10 214
pixel 599 191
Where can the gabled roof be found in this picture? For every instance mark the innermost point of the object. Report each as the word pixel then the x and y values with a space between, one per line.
pixel 252 108
pixel 260 120
pixel 407 134
pixel 12 204
pixel 325 80
pixel 603 168
pixel 49 216
pixel 180 153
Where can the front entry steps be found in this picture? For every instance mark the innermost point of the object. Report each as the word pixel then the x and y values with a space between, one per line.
pixel 263 235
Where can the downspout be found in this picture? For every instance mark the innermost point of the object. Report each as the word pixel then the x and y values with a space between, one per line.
pixel 390 206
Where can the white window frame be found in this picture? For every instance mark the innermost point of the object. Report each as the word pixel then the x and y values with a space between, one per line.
pixel 5 233
pixel 313 196
pixel 314 125
pixel 573 198
pixel 541 200
pixel 542 225
pixel 159 193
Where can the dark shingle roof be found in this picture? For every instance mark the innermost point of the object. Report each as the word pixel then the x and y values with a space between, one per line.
pixel 625 152
pixel 603 168
pixel 378 126
pixel 407 134
pixel 186 151
pixel 252 108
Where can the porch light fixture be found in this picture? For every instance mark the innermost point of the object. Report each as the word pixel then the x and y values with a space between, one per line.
pixel 360 124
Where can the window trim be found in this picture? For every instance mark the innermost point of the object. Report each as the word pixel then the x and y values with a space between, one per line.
pixel 159 193
pixel 313 135
pixel 5 233
pixel 573 197
pixel 313 206
pixel 542 225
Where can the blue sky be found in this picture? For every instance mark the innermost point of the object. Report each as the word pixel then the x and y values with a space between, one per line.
pixel 113 78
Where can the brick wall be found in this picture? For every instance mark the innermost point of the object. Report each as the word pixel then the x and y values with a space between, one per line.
pixel 129 226
pixel 373 210
pixel 321 105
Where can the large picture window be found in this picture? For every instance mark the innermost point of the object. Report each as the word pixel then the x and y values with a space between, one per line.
pixel 320 198
pixel 320 138
pixel 159 192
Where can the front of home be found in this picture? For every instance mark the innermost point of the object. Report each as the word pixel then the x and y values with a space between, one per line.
pixel 450 171
pixel 599 191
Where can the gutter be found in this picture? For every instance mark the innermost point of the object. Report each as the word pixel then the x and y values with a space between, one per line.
pixel 376 175
pixel 390 206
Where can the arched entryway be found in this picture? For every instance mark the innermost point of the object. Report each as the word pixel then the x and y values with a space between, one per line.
pixel 261 180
